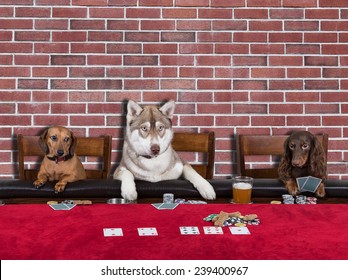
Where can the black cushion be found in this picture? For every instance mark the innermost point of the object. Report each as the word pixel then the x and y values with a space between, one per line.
pixel 180 188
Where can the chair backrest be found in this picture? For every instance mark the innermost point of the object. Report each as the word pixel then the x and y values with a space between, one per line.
pixel 200 143
pixel 99 147
pixel 261 145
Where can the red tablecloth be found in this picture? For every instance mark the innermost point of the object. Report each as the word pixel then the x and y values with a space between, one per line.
pixel 286 232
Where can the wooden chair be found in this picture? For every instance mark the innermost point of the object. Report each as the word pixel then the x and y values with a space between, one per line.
pixel 200 143
pixel 260 145
pixel 100 147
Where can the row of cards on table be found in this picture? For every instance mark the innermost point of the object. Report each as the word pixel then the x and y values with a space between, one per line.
pixel 184 230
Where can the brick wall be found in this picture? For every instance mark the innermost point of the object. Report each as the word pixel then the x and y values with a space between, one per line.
pixel 241 66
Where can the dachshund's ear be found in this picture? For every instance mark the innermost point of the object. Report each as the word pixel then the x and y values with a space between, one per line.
pixel 317 154
pixel 317 159
pixel 43 142
pixel 287 151
pixel 285 163
pixel 72 144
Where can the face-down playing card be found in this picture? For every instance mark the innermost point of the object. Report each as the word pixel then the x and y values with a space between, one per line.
pixel 147 231
pixel 62 206
pixel 189 230
pixel 309 184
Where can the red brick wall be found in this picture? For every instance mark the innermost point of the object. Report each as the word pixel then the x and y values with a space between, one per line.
pixel 241 66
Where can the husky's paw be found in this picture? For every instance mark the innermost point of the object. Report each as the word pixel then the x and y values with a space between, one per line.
pixel 206 190
pixel 128 191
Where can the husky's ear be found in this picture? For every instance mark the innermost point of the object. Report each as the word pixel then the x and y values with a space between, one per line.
pixel 168 109
pixel 133 109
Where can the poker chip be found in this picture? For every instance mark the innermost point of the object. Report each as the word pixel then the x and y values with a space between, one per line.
pixel 179 200
pixel 276 202
pixel 52 202
pixel 239 225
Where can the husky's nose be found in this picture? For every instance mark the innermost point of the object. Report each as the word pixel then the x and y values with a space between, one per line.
pixel 155 149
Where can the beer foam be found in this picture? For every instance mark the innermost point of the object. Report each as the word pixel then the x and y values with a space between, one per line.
pixel 242 186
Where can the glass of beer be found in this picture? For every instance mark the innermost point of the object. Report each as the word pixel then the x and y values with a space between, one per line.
pixel 241 189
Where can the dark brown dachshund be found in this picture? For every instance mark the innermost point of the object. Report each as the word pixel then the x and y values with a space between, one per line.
pixel 60 162
pixel 303 156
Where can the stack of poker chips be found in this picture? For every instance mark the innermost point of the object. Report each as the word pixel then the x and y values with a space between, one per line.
pixel 311 200
pixel 288 199
pixel 168 198
pixel 300 199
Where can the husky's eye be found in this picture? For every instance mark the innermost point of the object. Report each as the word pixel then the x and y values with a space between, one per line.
pixel 160 128
pixel 144 128
pixel 54 138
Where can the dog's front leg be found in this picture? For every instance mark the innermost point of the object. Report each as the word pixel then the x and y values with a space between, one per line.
pixel 128 190
pixel 203 186
pixel 291 186
pixel 60 186
pixel 41 180
pixel 321 190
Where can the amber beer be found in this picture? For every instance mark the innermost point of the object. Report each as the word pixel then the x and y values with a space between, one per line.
pixel 242 187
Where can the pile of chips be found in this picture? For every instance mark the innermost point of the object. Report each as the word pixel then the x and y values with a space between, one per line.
pixel 299 199
pixel 288 199
pixel 183 201
pixel 234 221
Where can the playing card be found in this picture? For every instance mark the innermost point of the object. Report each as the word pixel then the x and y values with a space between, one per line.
pixel 62 206
pixel 147 231
pixel 301 181
pixel 189 230
pixel 165 206
pixel 239 230
pixel 213 230
pixel 311 184
pixel 113 232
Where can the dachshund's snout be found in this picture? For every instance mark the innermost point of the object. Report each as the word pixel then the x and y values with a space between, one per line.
pixel 60 153
pixel 298 162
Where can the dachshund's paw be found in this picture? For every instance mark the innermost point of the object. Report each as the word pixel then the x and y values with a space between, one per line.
pixel 320 191
pixel 291 186
pixel 59 187
pixel 39 183
pixel 294 192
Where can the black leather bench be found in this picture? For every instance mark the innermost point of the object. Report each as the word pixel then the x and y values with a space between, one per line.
pixel 180 188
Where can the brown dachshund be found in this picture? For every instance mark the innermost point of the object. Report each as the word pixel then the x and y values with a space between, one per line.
pixel 303 156
pixel 60 162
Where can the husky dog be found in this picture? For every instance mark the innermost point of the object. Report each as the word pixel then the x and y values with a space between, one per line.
pixel 148 154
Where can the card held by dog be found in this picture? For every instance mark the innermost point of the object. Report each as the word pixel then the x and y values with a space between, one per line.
pixel 148 154
pixel 60 162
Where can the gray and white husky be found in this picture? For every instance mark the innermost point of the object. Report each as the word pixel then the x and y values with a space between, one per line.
pixel 148 154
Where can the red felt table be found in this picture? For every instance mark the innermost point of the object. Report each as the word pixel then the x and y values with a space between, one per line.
pixel 286 232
